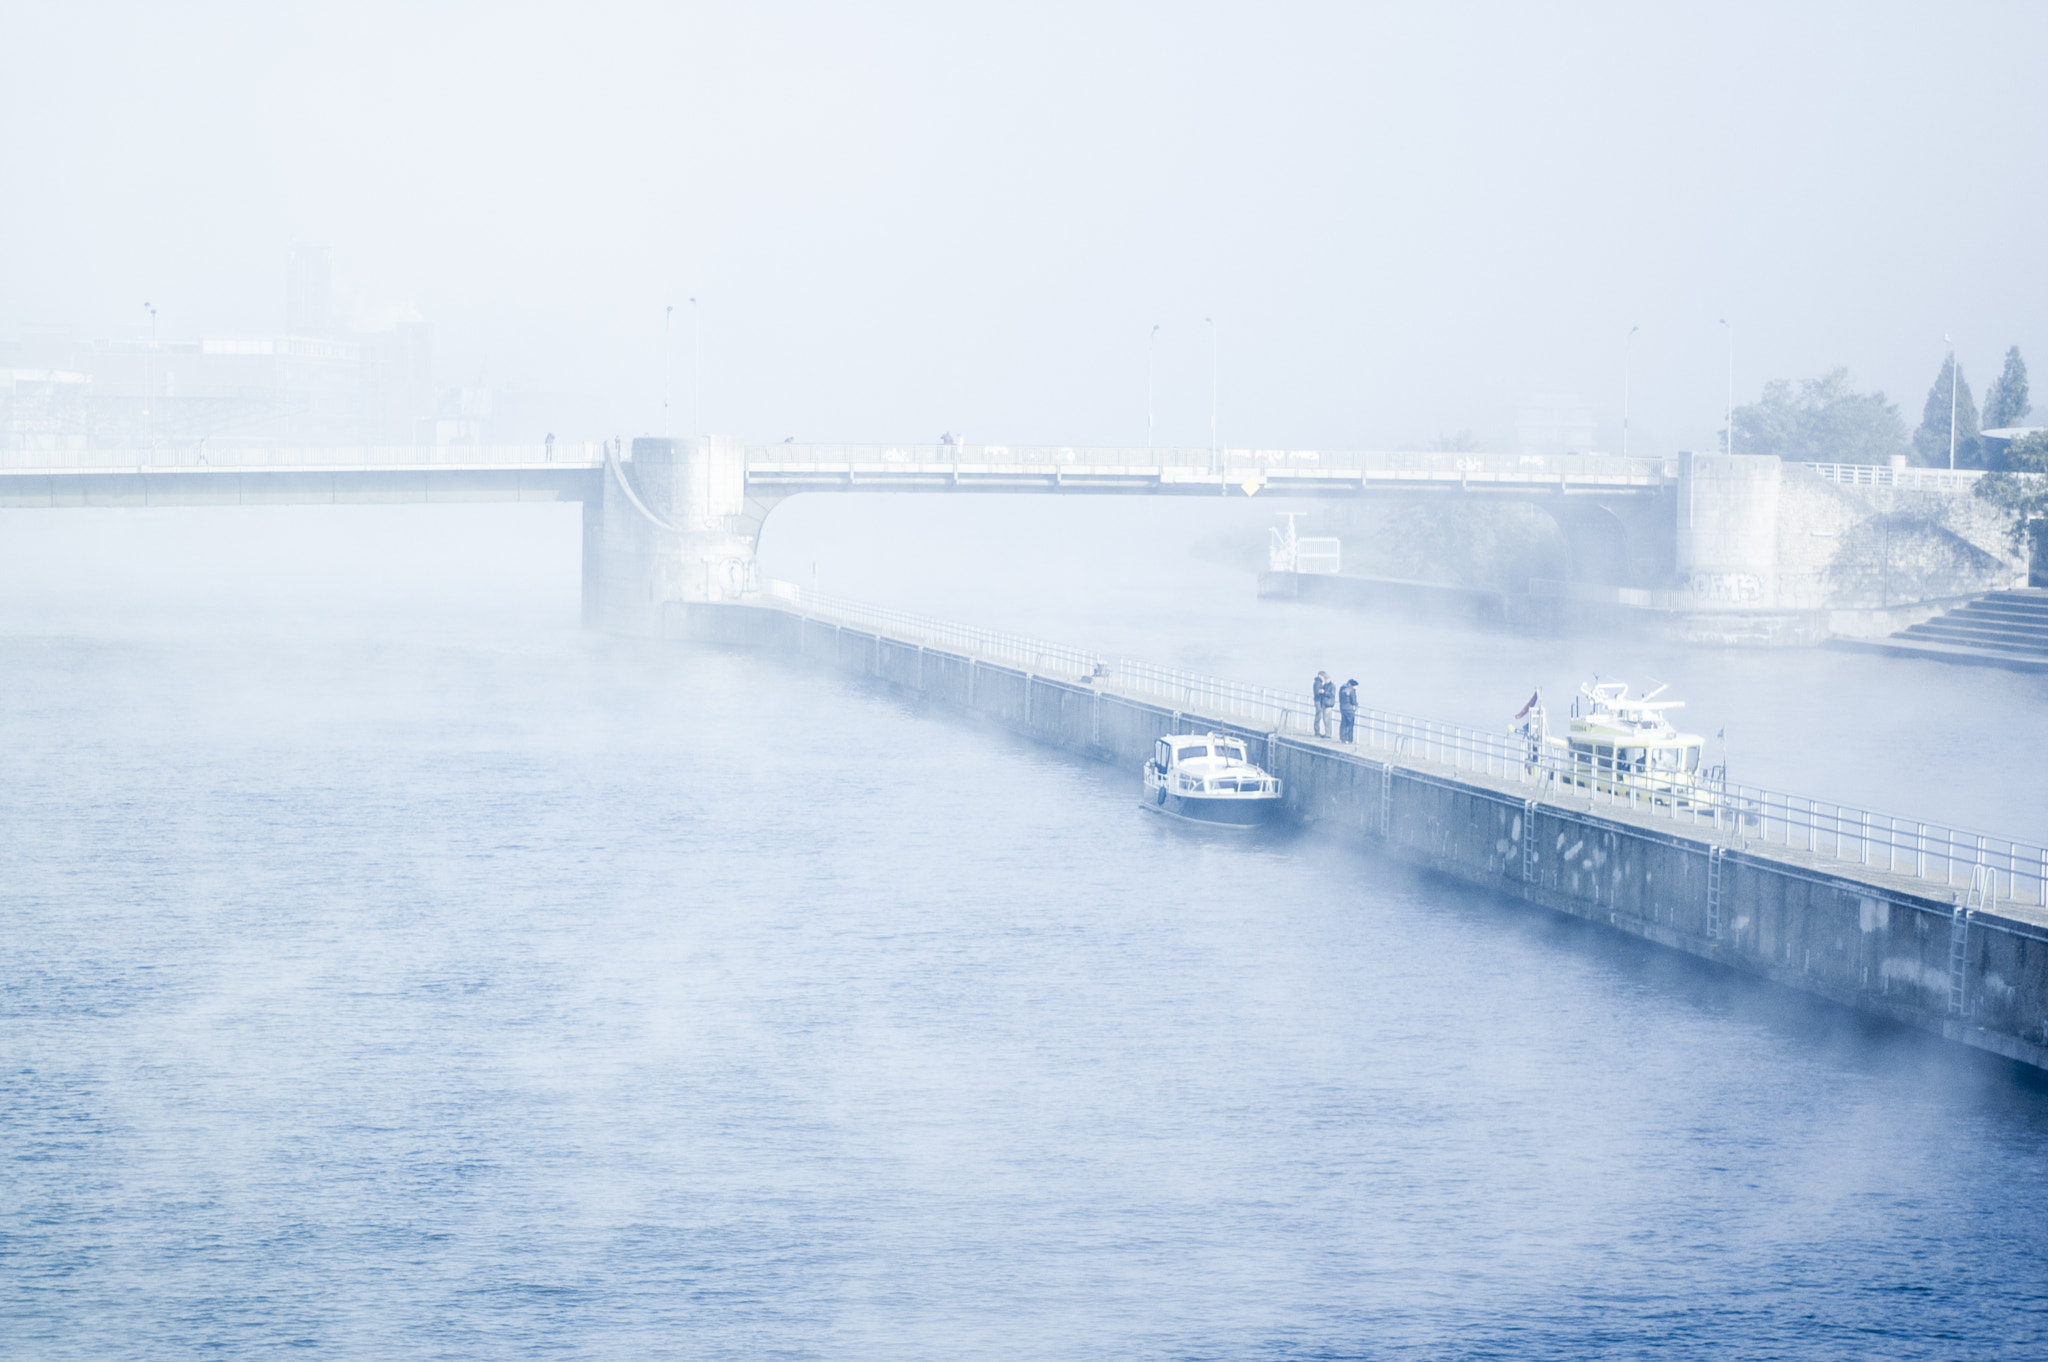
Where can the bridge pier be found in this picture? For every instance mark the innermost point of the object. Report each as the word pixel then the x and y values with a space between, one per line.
pixel 672 526
pixel 593 558
pixel 1727 548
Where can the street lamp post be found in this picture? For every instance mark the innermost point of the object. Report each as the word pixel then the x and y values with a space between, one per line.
pixel 1955 381
pixel 1731 385
pixel 1214 371
pixel 1627 346
pixel 1151 352
pixel 696 372
pixel 147 435
pixel 666 313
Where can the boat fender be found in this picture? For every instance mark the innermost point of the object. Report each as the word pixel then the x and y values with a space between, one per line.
pixel 1161 801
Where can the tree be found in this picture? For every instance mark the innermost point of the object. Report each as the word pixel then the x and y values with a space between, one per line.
pixel 1931 441
pixel 1822 420
pixel 2005 401
pixel 2022 488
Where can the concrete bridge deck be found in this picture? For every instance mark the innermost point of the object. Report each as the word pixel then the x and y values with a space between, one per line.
pixel 1756 549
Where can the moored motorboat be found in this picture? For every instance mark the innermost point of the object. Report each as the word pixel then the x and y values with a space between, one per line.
pixel 1206 778
pixel 1620 745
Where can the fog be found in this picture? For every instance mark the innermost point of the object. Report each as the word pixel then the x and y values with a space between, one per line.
pixel 392 965
pixel 902 219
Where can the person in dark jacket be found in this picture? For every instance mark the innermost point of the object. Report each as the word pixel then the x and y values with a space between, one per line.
pixel 1347 710
pixel 1325 692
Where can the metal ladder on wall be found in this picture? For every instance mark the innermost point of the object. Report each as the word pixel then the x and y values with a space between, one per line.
pixel 1714 893
pixel 1528 843
pixel 1386 798
pixel 1978 897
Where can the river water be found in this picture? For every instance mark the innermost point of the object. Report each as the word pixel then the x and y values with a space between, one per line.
pixel 390 971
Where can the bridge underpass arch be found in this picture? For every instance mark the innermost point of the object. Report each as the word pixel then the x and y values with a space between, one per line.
pixel 1616 543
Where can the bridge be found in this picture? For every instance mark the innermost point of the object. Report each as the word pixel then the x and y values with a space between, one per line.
pixel 679 520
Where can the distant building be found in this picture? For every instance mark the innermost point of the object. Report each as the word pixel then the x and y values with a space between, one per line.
pixel 319 384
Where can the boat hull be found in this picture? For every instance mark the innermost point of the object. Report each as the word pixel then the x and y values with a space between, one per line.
pixel 1215 813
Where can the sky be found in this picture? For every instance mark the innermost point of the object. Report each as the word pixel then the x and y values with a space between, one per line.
pixel 899 219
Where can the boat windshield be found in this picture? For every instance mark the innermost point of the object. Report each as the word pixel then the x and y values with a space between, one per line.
pixel 1190 753
pixel 1232 751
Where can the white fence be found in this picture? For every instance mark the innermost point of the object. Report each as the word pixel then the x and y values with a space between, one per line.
pixel 1878 475
pixel 1448 467
pixel 1320 556
pixel 1991 869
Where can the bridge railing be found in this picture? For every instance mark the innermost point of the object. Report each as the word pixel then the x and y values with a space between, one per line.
pixel 1448 466
pixel 1879 475
pixel 1988 869
pixel 228 457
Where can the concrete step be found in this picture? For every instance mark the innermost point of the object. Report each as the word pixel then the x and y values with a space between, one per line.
pixel 2008 619
pixel 1952 632
pixel 1896 646
pixel 1998 629
pixel 1970 619
pixel 2025 619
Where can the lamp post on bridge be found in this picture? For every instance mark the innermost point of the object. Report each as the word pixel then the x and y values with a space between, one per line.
pixel 147 434
pixel 1627 346
pixel 696 372
pixel 1214 369
pixel 1151 352
pixel 1954 382
pixel 1731 385
pixel 667 313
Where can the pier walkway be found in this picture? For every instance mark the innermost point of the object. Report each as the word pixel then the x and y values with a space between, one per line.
pixel 1941 928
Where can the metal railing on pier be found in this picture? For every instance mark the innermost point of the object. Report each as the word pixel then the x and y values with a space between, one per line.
pixel 1993 869
pixel 1989 869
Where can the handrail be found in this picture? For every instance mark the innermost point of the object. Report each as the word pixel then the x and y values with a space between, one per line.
pixel 2017 871
pixel 1880 475
pixel 1409 465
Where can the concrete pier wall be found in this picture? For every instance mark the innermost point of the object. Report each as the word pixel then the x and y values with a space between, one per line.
pixel 1883 945
pixel 670 529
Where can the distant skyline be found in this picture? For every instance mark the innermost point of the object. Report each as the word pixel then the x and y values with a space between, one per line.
pixel 907 219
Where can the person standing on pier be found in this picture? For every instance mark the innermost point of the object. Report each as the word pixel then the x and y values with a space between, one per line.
pixel 1326 699
pixel 1347 711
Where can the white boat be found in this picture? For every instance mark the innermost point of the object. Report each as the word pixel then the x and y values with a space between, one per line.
pixel 1205 778
pixel 1618 745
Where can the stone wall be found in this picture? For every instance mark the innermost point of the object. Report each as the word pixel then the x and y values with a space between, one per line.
pixel 1755 535
pixel 1877 548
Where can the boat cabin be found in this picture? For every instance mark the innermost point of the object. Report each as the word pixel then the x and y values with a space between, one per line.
pixel 1615 738
pixel 1209 763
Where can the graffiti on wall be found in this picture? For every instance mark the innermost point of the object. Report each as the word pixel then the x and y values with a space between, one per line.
pixel 1727 588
